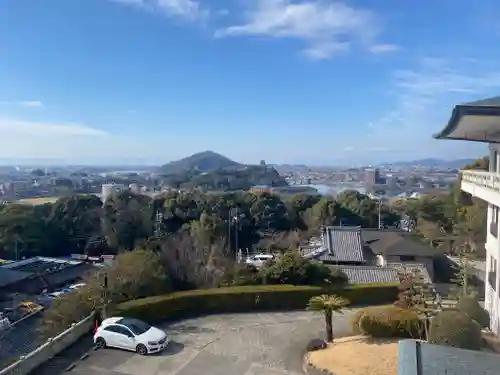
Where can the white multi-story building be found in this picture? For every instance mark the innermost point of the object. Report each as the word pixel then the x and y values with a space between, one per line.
pixel 480 122
pixel 107 190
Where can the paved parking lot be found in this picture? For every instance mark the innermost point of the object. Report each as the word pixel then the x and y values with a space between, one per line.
pixel 236 344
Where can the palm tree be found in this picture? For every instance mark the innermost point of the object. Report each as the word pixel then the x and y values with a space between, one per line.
pixel 328 304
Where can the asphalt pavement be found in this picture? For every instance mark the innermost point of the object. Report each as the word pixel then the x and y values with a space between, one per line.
pixel 235 344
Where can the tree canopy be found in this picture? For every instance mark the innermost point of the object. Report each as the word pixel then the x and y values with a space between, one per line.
pixel 80 223
pixel 228 221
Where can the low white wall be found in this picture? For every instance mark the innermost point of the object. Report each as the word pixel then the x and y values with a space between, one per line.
pixel 52 347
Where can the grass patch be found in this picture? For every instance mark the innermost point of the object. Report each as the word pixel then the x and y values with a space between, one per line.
pixel 37 201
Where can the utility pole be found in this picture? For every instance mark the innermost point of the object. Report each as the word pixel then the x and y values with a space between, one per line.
pixel 16 248
pixel 379 214
pixel 104 296
pixel 229 219
pixel 236 218
pixel 158 223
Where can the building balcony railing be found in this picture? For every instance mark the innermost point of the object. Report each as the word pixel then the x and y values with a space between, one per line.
pixel 489 180
pixel 482 184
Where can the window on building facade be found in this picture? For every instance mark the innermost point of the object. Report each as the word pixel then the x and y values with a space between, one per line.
pixel 492 273
pixel 494 220
pixel 407 258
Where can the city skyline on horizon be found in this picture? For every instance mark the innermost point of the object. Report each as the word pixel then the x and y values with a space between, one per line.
pixel 314 82
pixel 48 163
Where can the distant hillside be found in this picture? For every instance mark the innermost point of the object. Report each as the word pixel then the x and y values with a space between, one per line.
pixel 205 161
pixel 226 179
pixel 432 163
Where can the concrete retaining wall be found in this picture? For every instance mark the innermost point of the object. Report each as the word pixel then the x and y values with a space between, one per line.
pixel 53 346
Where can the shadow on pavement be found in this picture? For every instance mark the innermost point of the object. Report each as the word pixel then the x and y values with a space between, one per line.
pixel 173 348
pixel 190 329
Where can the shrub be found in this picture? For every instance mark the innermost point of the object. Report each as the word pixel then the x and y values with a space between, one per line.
pixel 369 294
pixel 240 275
pixel 294 269
pixel 470 306
pixel 355 321
pixel 455 328
pixel 245 299
pixel 316 344
pixel 391 321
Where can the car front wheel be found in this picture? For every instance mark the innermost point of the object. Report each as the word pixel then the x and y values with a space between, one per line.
pixel 141 349
pixel 100 343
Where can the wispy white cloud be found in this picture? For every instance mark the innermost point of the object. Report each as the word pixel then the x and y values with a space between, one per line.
pixel 25 103
pixel 190 10
pixel 10 127
pixel 325 27
pixel 378 149
pixel 22 139
pixel 423 98
pixel 383 48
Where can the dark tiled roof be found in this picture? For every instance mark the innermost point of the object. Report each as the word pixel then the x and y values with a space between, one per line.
pixel 413 268
pixel 8 276
pixel 415 358
pixel 369 274
pixel 343 245
pixel 394 242
pixel 67 275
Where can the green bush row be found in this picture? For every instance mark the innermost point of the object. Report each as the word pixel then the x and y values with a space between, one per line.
pixel 391 321
pixel 455 328
pixel 247 298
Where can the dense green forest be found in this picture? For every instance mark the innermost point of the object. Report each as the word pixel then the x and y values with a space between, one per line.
pixel 81 223
pixel 225 179
pixel 78 224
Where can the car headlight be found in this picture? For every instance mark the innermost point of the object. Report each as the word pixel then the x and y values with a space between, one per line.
pixel 152 343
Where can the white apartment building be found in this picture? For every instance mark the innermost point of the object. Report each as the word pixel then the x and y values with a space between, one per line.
pixel 480 122
pixel 107 190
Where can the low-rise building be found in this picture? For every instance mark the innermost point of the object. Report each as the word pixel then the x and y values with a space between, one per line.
pixel 372 256
pixel 395 247
pixel 32 276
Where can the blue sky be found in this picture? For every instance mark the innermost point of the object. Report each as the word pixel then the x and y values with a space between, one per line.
pixel 313 82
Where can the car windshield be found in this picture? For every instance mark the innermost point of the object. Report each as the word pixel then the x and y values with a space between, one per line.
pixel 136 326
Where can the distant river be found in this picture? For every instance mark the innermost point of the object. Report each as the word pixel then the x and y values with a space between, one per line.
pixel 334 189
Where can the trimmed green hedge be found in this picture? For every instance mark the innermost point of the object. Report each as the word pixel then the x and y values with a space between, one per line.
pixel 247 298
pixel 391 321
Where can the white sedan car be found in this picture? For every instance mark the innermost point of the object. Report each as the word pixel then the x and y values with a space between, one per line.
pixel 259 260
pixel 130 334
